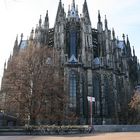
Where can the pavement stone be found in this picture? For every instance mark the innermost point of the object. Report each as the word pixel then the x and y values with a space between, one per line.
pixel 96 136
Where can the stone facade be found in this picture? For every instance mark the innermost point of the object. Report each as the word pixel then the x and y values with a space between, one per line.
pixel 96 63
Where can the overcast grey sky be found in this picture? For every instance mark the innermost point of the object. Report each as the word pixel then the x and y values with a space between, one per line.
pixel 19 16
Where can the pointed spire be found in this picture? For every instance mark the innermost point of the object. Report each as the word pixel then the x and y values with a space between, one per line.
pixel 60 4
pixel 36 29
pixel 133 51
pixel 46 22
pixel 106 26
pixel 60 12
pixel 16 48
pixel 128 43
pixel 123 36
pixel 17 38
pixel 124 48
pixel 99 24
pixel 113 33
pixel 40 21
pixel 32 31
pixel 99 17
pixel 77 8
pixel 16 45
pixel 73 11
pixel 21 36
pixel 128 47
pixel 16 41
pixel 63 9
pixel 77 15
pixel 5 65
pixel 9 60
pixel 73 4
pixel 32 34
pixel 46 17
pixel 69 10
pixel 85 6
pixel 85 12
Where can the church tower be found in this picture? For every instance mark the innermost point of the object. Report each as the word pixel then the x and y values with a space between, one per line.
pixel 59 33
pixel 86 37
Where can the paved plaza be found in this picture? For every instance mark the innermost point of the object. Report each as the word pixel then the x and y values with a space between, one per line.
pixel 99 136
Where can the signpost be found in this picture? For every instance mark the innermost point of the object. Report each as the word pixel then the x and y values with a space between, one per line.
pixel 91 99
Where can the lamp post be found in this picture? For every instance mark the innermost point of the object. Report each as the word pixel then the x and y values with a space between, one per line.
pixel 91 99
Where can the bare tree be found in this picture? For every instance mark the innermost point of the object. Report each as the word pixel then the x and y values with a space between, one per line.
pixel 135 107
pixel 34 87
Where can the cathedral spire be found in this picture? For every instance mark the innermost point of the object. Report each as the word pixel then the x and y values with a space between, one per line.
pixel 5 66
pixel 60 16
pixel 124 48
pixel 46 22
pixel 21 36
pixel 46 17
pixel 32 34
pixel 69 10
pixel 99 24
pixel 128 43
pixel 73 4
pixel 40 21
pixel 9 60
pixel 133 51
pixel 106 25
pixel 113 33
pixel 85 12
pixel 128 47
pixel 73 11
pixel 16 41
pixel 99 17
pixel 16 48
pixel 123 36
pixel 77 8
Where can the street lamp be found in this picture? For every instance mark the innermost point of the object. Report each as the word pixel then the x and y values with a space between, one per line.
pixel 91 99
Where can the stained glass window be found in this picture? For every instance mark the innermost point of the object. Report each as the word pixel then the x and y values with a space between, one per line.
pixel 72 43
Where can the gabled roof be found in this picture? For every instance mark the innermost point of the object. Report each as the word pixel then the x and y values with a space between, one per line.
pixel 73 59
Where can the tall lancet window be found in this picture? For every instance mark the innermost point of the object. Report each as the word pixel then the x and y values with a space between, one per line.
pixel 72 43
pixel 96 94
pixel 72 88
pixel 106 96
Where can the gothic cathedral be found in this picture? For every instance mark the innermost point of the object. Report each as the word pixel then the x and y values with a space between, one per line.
pixel 96 63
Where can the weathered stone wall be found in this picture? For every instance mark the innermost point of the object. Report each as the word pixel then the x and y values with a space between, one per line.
pixel 117 128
